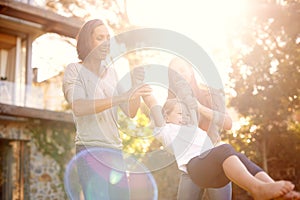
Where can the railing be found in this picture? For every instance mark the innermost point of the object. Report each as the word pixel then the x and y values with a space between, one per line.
pixel 46 97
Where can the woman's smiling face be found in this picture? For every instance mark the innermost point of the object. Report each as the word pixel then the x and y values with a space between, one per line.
pixel 100 35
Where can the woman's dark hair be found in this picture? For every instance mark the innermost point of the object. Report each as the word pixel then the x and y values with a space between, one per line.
pixel 84 42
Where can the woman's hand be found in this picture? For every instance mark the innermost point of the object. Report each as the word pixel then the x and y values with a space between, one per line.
pixel 131 99
pixel 223 120
pixel 138 91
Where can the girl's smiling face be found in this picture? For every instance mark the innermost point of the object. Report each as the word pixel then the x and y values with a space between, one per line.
pixel 179 115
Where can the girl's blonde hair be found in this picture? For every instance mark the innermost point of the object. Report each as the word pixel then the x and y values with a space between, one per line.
pixel 169 106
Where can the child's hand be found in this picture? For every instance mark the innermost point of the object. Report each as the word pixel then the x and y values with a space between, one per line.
pixel 138 75
pixel 136 92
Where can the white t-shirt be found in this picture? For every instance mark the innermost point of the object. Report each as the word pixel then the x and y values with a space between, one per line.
pixel 186 142
pixel 99 129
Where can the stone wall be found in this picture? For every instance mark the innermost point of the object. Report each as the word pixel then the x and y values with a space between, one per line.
pixel 45 181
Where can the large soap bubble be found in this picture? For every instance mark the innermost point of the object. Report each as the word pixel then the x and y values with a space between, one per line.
pixel 108 174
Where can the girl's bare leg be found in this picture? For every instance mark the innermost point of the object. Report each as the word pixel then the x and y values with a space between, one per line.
pixel 260 190
pixel 264 177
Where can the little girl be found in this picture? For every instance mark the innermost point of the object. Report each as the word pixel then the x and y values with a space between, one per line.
pixel 210 166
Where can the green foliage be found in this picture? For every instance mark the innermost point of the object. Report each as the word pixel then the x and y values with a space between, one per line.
pixel 266 77
pixel 245 136
pixel 266 72
pixel 136 134
pixel 113 11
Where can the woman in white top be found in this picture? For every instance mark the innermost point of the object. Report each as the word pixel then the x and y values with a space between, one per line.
pixel 210 166
pixel 94 94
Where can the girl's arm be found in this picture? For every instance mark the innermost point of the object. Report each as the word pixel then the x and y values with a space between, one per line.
pixel 133 104
pixel 155 110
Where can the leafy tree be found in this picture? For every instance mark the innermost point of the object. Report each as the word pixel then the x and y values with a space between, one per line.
pixel 266 77
pixel 113 11
pixel 136 134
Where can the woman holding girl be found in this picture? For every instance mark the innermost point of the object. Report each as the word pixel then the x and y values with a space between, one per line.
pixel 207 112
